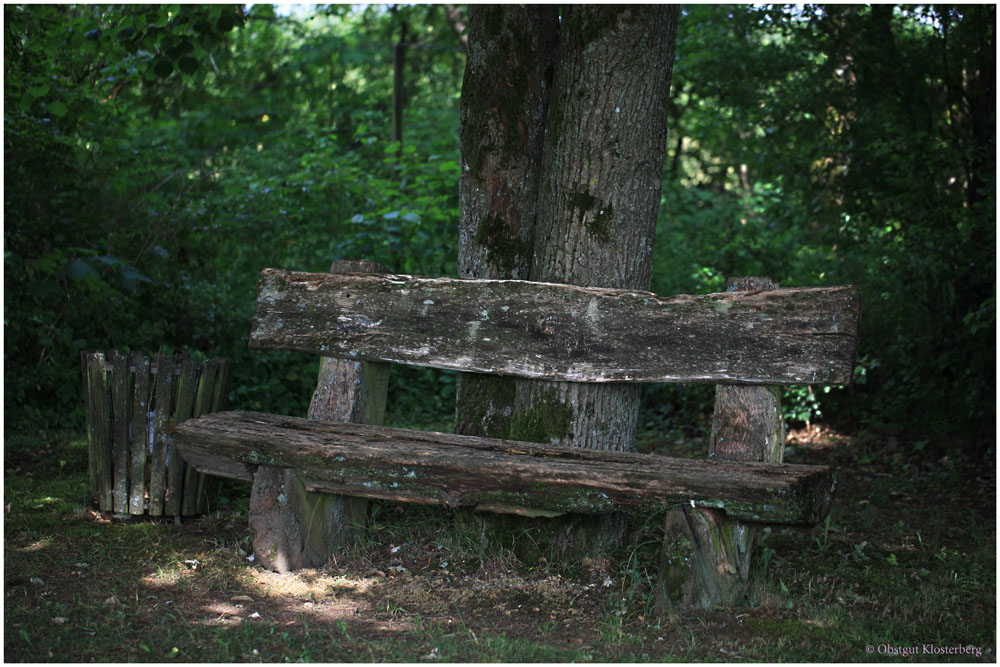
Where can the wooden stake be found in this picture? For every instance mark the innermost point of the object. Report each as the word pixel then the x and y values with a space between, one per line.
pixel 120 428
pixel 98 431
pixel 157 477
pixel 140 433
pixel 176 473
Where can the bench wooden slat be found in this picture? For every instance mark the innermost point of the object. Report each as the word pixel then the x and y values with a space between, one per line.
pixel 500 475
pixel 563 332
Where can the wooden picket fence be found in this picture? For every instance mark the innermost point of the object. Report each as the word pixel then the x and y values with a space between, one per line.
pixel 133 404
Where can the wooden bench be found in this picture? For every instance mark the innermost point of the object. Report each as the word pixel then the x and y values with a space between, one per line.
pixel 743 340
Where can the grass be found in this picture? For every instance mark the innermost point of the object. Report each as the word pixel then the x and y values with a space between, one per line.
pixel 906 565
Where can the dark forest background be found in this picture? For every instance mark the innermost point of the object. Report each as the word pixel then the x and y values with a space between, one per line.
pixel 158 157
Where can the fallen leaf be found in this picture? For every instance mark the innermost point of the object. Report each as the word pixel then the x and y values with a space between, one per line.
pixel 59 620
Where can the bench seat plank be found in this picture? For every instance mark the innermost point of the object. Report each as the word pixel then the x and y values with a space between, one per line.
pixel 498 475
pixel 549 331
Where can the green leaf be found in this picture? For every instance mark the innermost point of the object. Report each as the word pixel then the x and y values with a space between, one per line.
pixel 163 67
pixel 188 65
pixel 57 108
pixel 131 277
pixel 79 269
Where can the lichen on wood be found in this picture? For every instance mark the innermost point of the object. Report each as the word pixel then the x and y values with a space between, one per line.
pixel 562 332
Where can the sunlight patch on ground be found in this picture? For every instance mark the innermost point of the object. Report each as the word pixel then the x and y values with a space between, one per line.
pixel 307 583
pixel 224 613
pixel 41 544
pixel 817 437
pixel 168 576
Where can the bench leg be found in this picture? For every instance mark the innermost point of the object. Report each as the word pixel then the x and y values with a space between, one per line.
pixel 705 560
pixel 292 527
pixel 706 556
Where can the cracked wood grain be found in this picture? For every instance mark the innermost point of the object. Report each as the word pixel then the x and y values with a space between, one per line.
pixel 552 331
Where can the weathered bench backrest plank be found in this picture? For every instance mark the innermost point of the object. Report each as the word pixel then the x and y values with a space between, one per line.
pixel 500 475
pixel 563 332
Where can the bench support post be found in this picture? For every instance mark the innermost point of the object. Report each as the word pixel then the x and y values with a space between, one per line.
pixel 706 555
pixel 291 527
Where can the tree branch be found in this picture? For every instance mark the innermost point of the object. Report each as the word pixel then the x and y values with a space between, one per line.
pixel 458 24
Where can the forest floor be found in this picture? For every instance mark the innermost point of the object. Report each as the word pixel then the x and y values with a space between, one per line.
pixel 905 568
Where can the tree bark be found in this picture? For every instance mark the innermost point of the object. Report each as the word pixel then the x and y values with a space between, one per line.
pixel 594 192
pixel 603 163
pixel 505 96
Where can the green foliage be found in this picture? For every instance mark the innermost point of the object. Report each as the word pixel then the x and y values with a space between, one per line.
pixel 157 157
pixel 848 145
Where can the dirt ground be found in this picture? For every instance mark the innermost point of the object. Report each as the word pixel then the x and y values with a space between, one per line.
pixel 120 591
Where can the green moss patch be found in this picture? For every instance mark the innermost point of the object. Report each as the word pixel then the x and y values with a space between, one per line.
pixel 547 421
pixel 505 249
pixel 598 222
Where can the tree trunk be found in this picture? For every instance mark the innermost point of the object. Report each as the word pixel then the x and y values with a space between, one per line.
pixel 505 95
pixel 603 165
pixel 595 193
pixel 605 147
pixel 505 99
